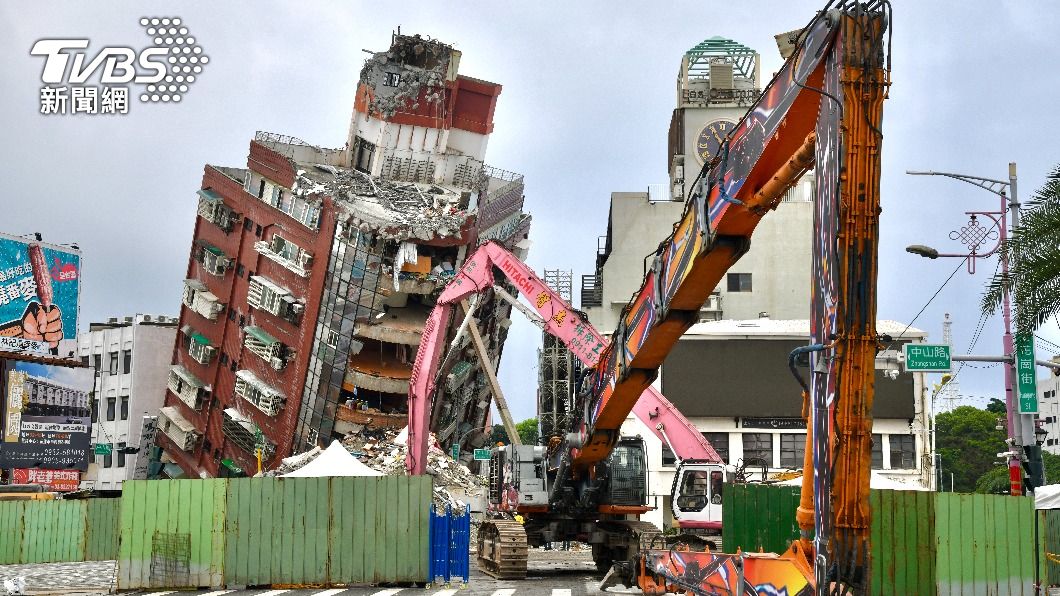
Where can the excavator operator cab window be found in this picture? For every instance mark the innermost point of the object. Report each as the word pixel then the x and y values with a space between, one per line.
pixel 717 481
pixel 695 491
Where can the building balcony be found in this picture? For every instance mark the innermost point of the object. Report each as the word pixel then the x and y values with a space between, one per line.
pixel 264 294
pixel 264 397
pixel 378 367
pixel 213 260
pixel 199 299
pixel 285 254
pixel 199 348
pixel 266 347
pixel 187 387
pixel 178 428
pixel 410 283
pixel 244 433
pixel 213 209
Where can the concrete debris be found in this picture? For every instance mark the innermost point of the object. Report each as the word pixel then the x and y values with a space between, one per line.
pixel 381 449
pixel 413 69
pixel 393 209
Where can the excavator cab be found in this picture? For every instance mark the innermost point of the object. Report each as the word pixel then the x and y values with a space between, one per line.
pixel 697 495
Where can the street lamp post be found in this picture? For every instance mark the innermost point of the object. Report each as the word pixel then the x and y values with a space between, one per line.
pixel 1020 427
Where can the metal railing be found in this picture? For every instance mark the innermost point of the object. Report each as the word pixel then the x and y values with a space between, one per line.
pixel 592 290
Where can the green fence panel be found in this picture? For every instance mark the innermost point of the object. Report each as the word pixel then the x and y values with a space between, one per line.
pixel 101 541
pixel 1049 536
pixel 172 533
pixel 759 517
pixel 53 531
pixel 395 508
pixel 12 514
pixel 984 544
pixel 902 538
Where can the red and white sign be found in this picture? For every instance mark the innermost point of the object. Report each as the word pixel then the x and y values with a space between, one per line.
pixel 58 480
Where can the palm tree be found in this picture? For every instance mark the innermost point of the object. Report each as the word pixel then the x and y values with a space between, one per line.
pixel 1033 253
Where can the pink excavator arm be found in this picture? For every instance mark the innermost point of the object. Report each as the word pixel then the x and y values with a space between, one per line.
pixel 561 321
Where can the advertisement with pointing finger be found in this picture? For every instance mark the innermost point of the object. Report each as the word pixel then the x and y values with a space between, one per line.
pixel 39 289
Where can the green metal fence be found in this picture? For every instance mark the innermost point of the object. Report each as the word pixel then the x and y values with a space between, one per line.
pixel 922 543
pixel 55 531
pixel 274 531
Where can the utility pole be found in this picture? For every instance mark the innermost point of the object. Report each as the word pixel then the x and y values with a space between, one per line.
pixel 1020 426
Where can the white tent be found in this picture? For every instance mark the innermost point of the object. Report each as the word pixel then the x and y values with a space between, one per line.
pixel 1047 497
pixel 876 480
pixel 333 461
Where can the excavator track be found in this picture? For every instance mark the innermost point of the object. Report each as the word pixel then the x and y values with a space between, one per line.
pixel 502 549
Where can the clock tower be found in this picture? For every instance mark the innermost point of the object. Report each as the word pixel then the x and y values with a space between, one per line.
pixel 719 79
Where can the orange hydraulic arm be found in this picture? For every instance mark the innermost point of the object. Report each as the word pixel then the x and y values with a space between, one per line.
pixel 824 108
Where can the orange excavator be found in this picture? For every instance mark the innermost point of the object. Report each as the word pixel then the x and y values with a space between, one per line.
pixel 823 110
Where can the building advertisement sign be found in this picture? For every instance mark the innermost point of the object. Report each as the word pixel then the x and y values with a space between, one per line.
pixel 1026 383
pixel 43 425
pixel 39 289
pixel 148 430
pixel 57 480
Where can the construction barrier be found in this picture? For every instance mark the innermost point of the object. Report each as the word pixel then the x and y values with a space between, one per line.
pixel 274 531
pixel 922 542
pixel 450 550
pixel 57 531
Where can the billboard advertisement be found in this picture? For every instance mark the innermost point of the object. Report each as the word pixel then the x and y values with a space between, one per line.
pixel 46 417
pixel 57 480
pixel 39 289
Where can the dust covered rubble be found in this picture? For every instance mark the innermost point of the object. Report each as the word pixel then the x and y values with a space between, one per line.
pixel 384 450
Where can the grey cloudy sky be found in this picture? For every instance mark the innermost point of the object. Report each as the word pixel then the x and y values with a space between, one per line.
pixel 588 90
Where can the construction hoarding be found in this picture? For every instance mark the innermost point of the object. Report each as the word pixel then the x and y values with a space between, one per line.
pixel 39 291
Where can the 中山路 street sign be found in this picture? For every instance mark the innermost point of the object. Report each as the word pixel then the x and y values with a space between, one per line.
pixel 927 357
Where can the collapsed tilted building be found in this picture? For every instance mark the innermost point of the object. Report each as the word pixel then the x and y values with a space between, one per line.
pixel 313 270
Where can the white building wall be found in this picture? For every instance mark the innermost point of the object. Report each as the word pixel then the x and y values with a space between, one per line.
pixel 1049 412
pixel 142 384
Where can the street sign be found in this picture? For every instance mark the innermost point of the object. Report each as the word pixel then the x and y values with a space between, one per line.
pixel 927 357
pixel 482 454
pixel 456 451
pixel 1026 383
pixel 102 449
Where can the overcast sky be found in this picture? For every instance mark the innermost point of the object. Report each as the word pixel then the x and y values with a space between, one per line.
pixel 588 91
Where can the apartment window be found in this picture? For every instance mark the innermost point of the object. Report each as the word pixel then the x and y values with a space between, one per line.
pixel 240 270
pixel 739 282
pixel 391 79
pixel 903 452
pixel 125 407
pixel 232 314
pixel 668 457
pixel 97 362
pixel 126 361
pixel 261 188
pixel 120 452
pixel 247 224
pixel 720 442
pixel 84 360
pixel 758 449
pixel 792 450
pixel 95 410
pixel 113 363
pixel 258 231
pixel 223 358
pixel 111 402
pixel 108 459
pixel 877 452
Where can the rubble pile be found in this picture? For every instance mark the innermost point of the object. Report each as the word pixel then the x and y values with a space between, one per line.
pixel 385 450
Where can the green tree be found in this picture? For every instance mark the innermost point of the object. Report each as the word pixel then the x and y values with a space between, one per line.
pixel 528 431
pixel 968 442
pixel 996 406
pixel 996 482
pixel 1033 254
pixel 499 435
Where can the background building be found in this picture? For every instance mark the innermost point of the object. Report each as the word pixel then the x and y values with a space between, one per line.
pixel 313 271
pixel 131 359
pixel 1049 409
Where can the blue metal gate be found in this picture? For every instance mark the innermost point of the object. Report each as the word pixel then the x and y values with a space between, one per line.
pixel 450 550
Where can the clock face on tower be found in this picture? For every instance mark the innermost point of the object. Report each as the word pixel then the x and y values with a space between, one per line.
pixel 711 137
